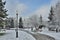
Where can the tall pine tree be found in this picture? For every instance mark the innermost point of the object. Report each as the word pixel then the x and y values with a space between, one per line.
pixel 51 14
pixel 2 12
pixel 20 23
pixel 41 20
pixel 52 17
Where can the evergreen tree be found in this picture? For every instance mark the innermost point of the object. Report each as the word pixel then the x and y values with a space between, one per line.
pixel 20 23
pixel 41 20
pixel 52 17
pixel 51 14
pixel 12 23
pixel 2 12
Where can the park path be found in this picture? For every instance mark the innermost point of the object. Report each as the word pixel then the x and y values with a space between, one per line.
pixel 42 37
pixel 38 36
pixel 26 36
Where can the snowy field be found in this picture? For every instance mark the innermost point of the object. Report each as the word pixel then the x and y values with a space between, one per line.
pixel 10 35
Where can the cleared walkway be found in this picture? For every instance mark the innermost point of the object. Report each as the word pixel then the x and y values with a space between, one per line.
pixel 42 37
pixel 38 36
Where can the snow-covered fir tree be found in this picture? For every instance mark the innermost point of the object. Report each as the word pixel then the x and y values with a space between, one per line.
pixel 3 11
pixel 41 21
pixel 57 13
pixel 52 18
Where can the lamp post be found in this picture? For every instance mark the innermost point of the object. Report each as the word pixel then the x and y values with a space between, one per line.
pixel 16 24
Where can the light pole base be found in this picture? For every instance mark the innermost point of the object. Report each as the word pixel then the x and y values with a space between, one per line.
pixel 16 34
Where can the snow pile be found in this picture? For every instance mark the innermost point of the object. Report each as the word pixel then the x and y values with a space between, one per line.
pixel 10 35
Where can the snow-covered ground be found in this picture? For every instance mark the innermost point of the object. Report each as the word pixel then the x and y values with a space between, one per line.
pixel 10 35
pixel 51 33
pixel 45 31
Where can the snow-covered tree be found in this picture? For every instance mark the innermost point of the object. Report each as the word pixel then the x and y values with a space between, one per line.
pixel 41 21
pixel 34 21
pixel 52 20
pixel 52 17
pixel 57 12
pixel 3 11
pixel 51 14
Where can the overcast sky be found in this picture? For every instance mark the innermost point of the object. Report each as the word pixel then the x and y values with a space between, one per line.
pixel 27 8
